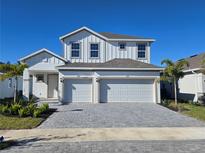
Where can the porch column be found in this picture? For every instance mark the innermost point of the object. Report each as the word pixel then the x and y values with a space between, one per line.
pixel 157 94
pixel 60 88
pixel 26 83
pixel 95 90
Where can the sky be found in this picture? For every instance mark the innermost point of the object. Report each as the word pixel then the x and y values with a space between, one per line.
pixel 29 25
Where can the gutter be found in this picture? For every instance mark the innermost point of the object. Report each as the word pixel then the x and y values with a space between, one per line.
pixel 97 68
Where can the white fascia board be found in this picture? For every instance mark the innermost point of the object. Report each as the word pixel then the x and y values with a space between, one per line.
pixel 109 77
pixel 42 50
pixel 143 40
pixel 80 29
pixel 105 38
pixel 86 68
pixel 195 69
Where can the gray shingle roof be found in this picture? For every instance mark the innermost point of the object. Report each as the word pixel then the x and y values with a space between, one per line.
pixel 115 63
pixel 195 61
pixel 120 36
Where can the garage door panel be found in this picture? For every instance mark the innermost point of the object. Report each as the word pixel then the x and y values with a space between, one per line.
pixel 77 91
pixel 126 90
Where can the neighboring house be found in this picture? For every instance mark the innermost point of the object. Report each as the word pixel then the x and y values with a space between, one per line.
pixel 193 84
pixel 7 87
pixel 96 68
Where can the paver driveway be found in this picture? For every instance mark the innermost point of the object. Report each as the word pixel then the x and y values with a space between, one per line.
pixel 117 115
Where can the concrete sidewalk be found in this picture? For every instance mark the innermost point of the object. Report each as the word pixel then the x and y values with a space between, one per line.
pixel 105 134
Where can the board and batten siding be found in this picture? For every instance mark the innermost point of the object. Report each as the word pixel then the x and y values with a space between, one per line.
pixel 108 50
pixel 84 38
pixel 43 58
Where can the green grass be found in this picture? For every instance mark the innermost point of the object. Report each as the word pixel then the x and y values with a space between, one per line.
pixel 6 144
pixel 195 111
pixel 189 109
pixel 9 122
pixel 15 122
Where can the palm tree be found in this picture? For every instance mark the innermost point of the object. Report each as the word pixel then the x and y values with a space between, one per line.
pixel 173 72
pixel 12 70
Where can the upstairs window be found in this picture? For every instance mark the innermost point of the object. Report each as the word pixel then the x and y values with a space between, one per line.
pixel 75 50
pixel 122 46
pixel 141 50
pixel 94 50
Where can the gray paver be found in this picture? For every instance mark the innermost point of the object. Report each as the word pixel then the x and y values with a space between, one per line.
pixel 117 115
pixel 112 146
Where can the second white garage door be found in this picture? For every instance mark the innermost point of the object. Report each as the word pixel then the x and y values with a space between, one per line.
pixel 79 91
pixel 122 90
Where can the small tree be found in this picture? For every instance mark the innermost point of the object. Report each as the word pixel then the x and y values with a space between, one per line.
pixel 173 72
pixel 12 70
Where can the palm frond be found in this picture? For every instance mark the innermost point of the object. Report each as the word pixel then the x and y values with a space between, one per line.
pixel 167 62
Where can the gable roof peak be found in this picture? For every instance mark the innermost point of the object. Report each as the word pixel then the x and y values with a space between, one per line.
pixel 40 51
pixel 108 36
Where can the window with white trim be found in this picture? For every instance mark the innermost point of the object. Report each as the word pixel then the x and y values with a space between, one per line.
pixel 141 50
pixel 10 83
pixel 122 45
pixel 39 78
pixel 94 50
pixel 75 50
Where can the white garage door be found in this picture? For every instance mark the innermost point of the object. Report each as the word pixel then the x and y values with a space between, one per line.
pixel 77 91
pixel 122 90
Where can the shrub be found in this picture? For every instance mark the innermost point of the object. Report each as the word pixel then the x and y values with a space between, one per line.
pixel 31 107
pixel 44 107
pixel 14 108
pixel 23 102
pixel 166 102
pixel 33 100
pixel 37 113
pixel 23 112
pixel 1 106
pixel 6 110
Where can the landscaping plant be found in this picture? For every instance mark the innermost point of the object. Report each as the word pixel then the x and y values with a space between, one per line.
pixel 173 72
pixel 14 108
pixel 12 70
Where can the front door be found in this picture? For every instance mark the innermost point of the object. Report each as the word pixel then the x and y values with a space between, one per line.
pixel 52 86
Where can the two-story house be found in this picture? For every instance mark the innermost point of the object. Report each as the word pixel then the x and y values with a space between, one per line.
pixel 96 68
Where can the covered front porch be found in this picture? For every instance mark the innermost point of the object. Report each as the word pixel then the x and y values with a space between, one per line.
pixel 40 84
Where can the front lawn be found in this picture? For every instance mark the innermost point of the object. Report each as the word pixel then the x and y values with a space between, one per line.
pixel 189 109
pixel 16 122
pixel 11 122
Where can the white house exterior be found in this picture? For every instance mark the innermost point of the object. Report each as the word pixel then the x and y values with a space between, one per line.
pixel 7 87
pixel 96 68
pixel 192 85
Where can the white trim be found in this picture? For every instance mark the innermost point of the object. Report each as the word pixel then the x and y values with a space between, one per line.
pixel 97 68
pixel 109 77
pixel 40 51
pixel 80 29
pixel 195 69
pixel 105 38
pixel 146 40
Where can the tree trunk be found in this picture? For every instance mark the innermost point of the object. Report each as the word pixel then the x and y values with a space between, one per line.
pixel 175 91
pixel 15 88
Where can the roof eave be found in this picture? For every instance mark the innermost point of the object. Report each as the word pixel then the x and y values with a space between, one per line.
pixel 80 29
pixel 39 51
pixel 143 40
pixel 107 68
pixel 105 38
